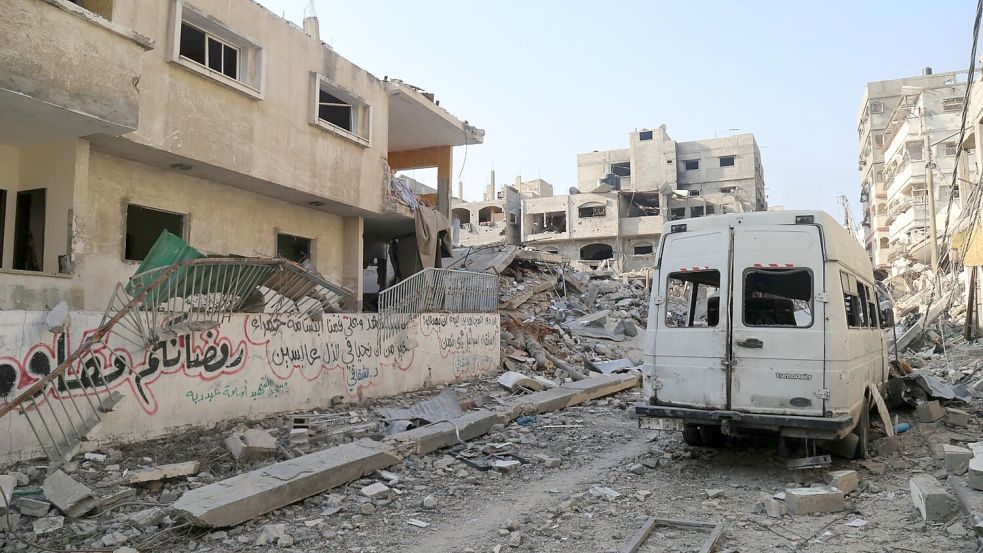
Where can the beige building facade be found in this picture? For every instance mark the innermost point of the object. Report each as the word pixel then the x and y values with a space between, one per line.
pixel 217 120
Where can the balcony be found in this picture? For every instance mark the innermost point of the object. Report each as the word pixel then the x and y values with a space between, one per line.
pixel 903 177
pixel 642 226
pixel 66 72
pixel 915 216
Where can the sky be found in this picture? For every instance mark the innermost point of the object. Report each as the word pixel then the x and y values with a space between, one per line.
pixel 550 79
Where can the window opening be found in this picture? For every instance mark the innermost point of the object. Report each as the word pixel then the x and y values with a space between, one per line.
pixel 778 297
pixel 332 110
pixel 462 215
pixel 490 214
pixel 205 49
pixel 294 248
pixel 915 150
pixel 591 210
pixel 693 299
pixel 691 164
pixel 29 230
pixel 952 104
pixel 642 205
pixel 144 225
pixel 677 213
pixel 645 135
pixel 696 211
pixel 549 222
pixel 851 300
pixel 727 161
pixel 596 252
pixel 643 248
pixel 621 169
pixel 876 107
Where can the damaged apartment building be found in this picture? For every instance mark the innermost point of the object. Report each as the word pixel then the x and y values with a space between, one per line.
pixel 241 135
pixel 908 131
pixel 614 216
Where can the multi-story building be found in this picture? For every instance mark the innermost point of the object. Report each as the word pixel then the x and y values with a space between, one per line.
pixel 219 121
pixel 626 195
pixel 902 124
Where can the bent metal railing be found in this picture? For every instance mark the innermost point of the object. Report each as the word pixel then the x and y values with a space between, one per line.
pixel 435 291
pixel 162 303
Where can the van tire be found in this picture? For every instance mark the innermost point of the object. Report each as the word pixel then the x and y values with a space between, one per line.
pixel 711 436
pixel 862 431
pixel 691 435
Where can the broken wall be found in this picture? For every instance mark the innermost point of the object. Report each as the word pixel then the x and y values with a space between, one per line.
pixel 253 366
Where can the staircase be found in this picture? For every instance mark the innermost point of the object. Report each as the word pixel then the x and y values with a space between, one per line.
pixel 67 406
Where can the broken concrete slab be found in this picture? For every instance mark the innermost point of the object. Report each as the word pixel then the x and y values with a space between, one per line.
pixel 930 498
pixel 147 517
pixel 956 459
pixel 513 380
pixel 930 411
pixel 445 405
pixel 820 499
pixel 47 525
pixel 626 327
pixel 376 490
pixel 113 499
pixel 956 417
pixel 163 472
pixel 975 476
pixel 599 333
pixel 251 444
pixel 33 507
pixel 596 319
pixel 70 496
pixel 844 480
pixel 7 484
pixel 243 497
pixel 610 367
pixel 430 438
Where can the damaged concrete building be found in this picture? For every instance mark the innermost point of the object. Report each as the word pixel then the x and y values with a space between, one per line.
pixel 624 196
pixel 904 127
pixel 237 132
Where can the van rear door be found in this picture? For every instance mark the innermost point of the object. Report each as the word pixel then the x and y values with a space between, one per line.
pixel 690 324
pixel 778 327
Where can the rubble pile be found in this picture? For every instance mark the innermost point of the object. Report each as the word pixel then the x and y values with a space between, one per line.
pixel 561 324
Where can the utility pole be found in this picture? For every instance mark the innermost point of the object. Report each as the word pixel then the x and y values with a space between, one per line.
pixel 930 184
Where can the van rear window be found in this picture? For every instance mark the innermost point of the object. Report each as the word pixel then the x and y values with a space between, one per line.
pixel 693 299
pixel 778 297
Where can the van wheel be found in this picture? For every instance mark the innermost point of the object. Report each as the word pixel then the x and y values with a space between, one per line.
pixel 691 435
pixel 863 432
pixel 711 436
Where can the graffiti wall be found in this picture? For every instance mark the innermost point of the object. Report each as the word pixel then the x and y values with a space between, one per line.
pixel 252 366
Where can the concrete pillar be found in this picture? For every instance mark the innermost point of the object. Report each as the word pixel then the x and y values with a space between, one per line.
pixel 351 250
pixel 445 166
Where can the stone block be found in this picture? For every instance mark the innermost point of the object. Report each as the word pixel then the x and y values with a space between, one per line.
pixel 820 499
pixel 163 472
pixel 376 491
pixel 70 496
pixel 956 417
pixel 844 480
pixel 956 459
pixel 33 507
pixel 930 411
pixel 930 498
pixel 975 477
pixel 299 436
pixel 251 444
pixel 886 446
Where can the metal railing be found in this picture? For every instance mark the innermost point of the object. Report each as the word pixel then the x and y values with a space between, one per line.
pixel 436 291
pixel 194 295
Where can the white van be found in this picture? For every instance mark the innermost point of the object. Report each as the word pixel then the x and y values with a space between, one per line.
pixel 763 320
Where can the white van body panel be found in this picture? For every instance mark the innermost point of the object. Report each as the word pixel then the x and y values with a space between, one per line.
pixel 798 359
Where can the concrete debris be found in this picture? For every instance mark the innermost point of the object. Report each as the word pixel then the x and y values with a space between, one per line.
pixel 819 499
pixel 418 523
pixel 47 525
pixel 444 406
pixel 930 498
pixel 514 381
pixel 7 484
pixel 252 444
pixel 975 476
pixel 376 491
pixel 844 480
pixel 163 472
pixel 956 417
pixel 33 507
pixel 70 496
pixel 930 411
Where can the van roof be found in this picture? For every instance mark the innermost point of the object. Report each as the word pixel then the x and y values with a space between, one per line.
pixel 840 245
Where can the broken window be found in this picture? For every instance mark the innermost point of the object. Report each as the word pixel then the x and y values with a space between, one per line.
pixel 645 135
pixel 727 161
pixel 868 305
pixel 144 225
pixel 642 248
pixel 691 164
pixel 592 209
pixel 29 230
pixel 696 211
pixel 596 252
pixel 677 213
pixel 693 299
pixel 876 106
pixel 549 222
pixel 952 104
pixel 339 110
pixel 642 205
pixel 294 248
pixel 621 169
pixel 210 51
pixel 778 297
pixel 490 214
pixel 916 150
pixel 853 303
